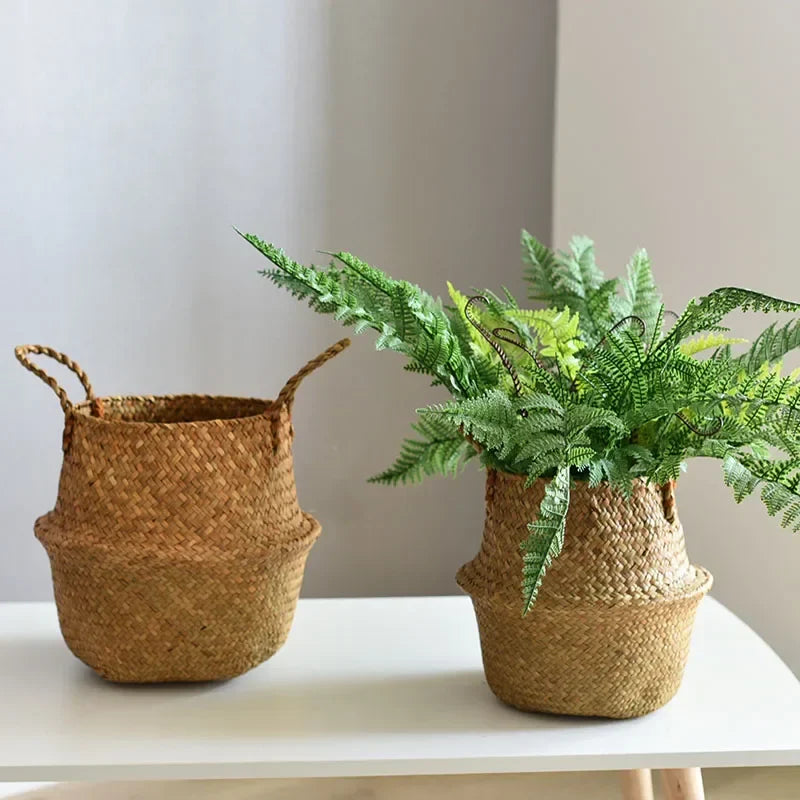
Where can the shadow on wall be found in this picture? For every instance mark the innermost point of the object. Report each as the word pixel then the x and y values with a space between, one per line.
pixel 439 151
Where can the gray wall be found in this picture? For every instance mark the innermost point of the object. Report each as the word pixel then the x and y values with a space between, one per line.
pixel 414 133
pixel 677 128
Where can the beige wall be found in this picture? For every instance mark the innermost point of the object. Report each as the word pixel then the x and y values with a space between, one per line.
pixel 678 129
pixel 415 133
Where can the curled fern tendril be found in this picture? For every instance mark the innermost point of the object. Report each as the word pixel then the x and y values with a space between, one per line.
pixel 502 355
pixel 499 333
pixel 715 428
pixel 640 324
pixel 505 334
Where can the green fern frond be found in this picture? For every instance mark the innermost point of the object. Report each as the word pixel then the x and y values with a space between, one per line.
pixel 543 451
pixel 629 349
pixel 738 477
pixel 546 537
pixel 533 434
pixel 582 418
pixel 580 456
pixel 477 342
pixel 669 466
pixel 489 419
pixel 658 324
pixel 770 346
pixel 544 272
pixel 542 381
pixel 557 332
pixel 582 276
pixel 617 366
pixel 642 297
pixel 711 341
pixel 439 451
pixel 407 319
pixel 778 495
pixel 613 469
pixel 706 313
pixel 571 279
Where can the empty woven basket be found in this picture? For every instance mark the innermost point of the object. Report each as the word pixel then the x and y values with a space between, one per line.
pixel 610 630
pixel 177 544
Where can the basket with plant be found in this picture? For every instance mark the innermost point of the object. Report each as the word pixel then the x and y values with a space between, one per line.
pixel 584 414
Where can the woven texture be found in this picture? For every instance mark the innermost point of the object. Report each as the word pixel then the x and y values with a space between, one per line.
pixel 610 630
pixel 177 544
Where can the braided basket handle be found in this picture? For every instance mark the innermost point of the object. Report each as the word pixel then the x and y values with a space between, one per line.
pixel 286 396
pixel 23 353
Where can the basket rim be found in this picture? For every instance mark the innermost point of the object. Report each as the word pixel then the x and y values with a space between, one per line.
pixel 82 411
pixel 579 482
pixel 698 587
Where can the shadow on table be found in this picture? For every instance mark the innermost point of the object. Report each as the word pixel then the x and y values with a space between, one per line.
pixel 457 701
pixel 249 706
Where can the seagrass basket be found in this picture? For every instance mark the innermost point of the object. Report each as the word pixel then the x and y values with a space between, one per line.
pixel 177 544
pixel 610 630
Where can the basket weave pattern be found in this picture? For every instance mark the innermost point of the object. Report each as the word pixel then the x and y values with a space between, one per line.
pixel 177 543
pixel 610 630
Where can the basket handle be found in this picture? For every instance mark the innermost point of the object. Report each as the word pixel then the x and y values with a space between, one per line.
pixel 23 353
pixel 286 395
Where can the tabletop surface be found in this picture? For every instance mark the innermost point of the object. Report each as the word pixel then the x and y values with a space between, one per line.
pixel 378 686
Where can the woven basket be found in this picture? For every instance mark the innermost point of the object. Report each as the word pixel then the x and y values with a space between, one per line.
pixel 177 544
pixel 609 633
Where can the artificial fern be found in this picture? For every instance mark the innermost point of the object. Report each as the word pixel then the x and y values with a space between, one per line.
pixel 439 450
pixel 571 279
pixel 590 388
pixel 642 298
pixel 406 318
pixel 771 346
pixel 711 341
pixel 779 483
pixel 546 536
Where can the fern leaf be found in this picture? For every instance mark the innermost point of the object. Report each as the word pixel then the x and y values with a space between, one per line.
pixel 407 319
pixel 490 419
pixel 546 536
pixel 478 344
pixel 629 349
pixel 536 400
pixel 571 279
pixel 614 468
pixel 580 456
pixel 543 271
pixel 540 447
pixel 643 299
pixel 602 304
pixel 583 275
pixel 740 479
pixel 581 418
pixel 706 313
pixel 657 329
pixel 781 495
pixel 557 332
pixel 439 451
pixel 711 341
pixel 770 346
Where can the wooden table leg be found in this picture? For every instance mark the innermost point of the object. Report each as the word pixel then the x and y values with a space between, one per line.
pixel 637 784
pixel 683 784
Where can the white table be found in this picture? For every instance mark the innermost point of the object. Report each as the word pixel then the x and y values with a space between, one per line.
pixel 386 686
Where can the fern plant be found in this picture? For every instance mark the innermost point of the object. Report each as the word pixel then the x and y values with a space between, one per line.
pixel 595 387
